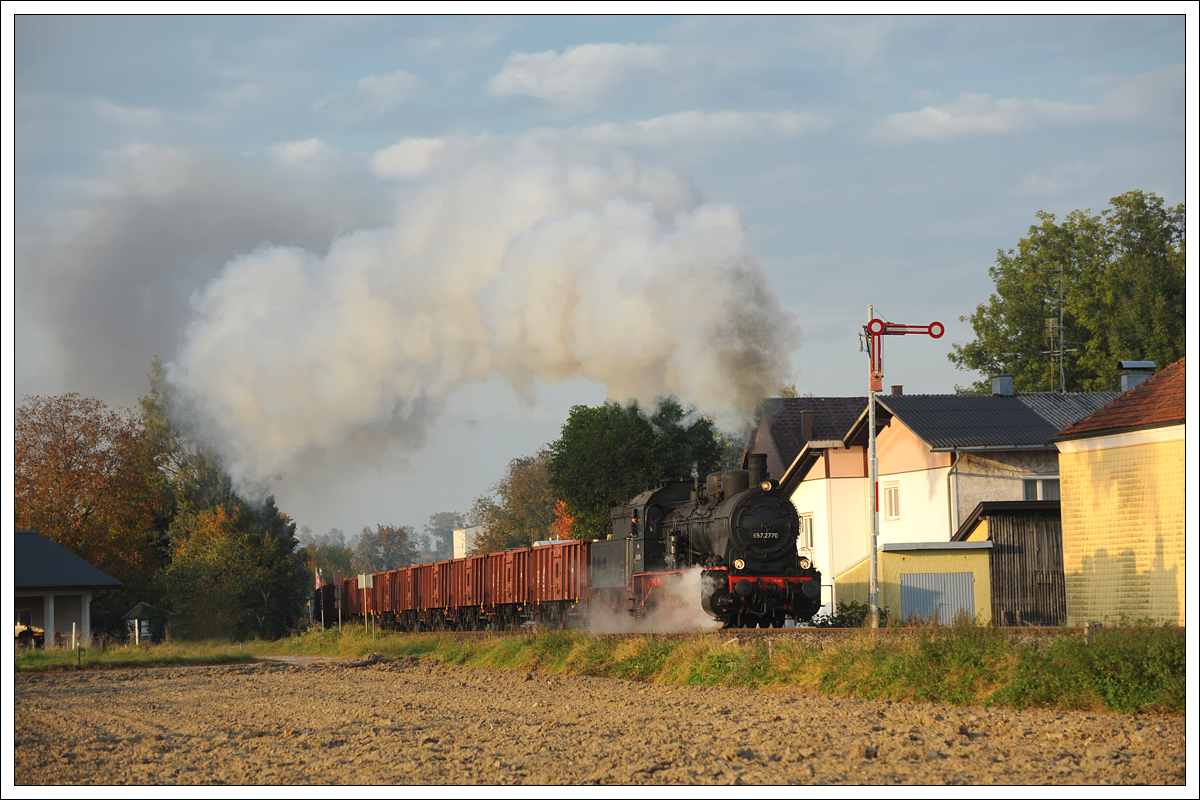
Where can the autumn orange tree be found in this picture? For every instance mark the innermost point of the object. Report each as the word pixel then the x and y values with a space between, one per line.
pixel 87 478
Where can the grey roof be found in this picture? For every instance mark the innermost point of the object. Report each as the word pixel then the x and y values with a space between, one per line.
pixel 832 417
pixel 1064 409
pixel 991 421
pixel 39 563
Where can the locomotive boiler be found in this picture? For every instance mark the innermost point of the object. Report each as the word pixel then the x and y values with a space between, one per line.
pixel 737 527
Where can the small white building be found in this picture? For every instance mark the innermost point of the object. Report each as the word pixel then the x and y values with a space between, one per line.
pixel 54 589
pixel 464 539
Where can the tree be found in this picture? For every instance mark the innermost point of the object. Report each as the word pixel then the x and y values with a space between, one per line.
pixel 521 509
pixel 1123 298
pixel 234 572
pixel 86 477
pixel 437 538
pixel 610 453
pixel 387 547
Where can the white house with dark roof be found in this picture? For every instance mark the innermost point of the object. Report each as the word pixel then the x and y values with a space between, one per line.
pixel 54 588
pixel 939 457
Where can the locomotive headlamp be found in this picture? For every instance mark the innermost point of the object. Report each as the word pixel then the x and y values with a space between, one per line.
pixel 765 486
pixel 805 563
pixel 739 564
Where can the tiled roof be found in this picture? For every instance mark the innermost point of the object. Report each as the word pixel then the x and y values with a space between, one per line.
pixel 832 418
pixel 983 421
pixel 39 563
pixel 1159 400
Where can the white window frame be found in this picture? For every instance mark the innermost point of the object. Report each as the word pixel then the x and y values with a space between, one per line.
pixel 1040 480
pixel 804 540
pixel 891 502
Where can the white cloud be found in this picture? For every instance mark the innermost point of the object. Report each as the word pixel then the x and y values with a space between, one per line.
pixel 980 114
pixel 1151 95
pixel 385 92
pixel 578 76
pixel 124 115
pixel 697 125
pixel 308 151
pixel 406 159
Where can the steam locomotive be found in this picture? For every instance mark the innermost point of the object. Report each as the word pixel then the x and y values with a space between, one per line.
pixel 737 529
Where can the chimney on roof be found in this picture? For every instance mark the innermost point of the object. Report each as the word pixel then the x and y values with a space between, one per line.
pixel 1002 384
pixel 1134 372
pixel 897 389
pixel 806 424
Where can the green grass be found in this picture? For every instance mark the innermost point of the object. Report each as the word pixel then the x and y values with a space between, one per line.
pixel 119 656
pixel 1132 670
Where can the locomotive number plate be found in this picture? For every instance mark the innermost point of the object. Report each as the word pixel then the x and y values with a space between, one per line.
pixel 765 535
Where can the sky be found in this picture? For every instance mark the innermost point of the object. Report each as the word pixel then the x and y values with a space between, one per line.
pixel 381 257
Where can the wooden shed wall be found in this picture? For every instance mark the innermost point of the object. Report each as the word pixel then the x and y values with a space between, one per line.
pixel 1028 584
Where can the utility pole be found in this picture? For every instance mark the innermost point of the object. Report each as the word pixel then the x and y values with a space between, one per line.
pixel 873 331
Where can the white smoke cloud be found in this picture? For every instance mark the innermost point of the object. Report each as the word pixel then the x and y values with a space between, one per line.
pixel 678 610
pixel 513 259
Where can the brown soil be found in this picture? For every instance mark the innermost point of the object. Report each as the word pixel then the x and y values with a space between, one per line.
pixel 377 721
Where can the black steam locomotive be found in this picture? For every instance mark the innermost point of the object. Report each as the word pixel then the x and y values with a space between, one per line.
pixel 738 527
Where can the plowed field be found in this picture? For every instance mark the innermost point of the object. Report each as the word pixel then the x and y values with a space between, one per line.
pixel 396 722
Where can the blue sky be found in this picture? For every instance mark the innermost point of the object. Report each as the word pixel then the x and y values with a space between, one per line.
pixel 538 191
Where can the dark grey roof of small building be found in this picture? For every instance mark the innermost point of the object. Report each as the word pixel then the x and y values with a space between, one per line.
pixel 39 563
pixel 832 417
pixel 991 421
pixel 1064 409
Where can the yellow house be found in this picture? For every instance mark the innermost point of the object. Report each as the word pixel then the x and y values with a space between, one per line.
pixel 1123 502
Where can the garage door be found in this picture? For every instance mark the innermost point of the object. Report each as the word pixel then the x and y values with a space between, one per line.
pixel 940 595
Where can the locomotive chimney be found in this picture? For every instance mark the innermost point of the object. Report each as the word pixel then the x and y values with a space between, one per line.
pixel 757 462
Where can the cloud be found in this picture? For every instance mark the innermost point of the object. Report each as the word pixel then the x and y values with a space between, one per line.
pixel 406 159
pixel 579 76
pixel 124 115
pixel 697 125
pixel 973 114
pixel 525 260
pixel 980 114
pixel 385 92
pixel 1062 178
pixel 295 153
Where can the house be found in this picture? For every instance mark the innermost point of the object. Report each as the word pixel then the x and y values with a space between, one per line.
pixel 939 457
pixel 1123 505
pixel 54 589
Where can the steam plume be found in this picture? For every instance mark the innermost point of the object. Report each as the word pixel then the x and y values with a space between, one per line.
pixel 517 259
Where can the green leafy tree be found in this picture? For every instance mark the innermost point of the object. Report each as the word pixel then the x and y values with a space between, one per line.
pixel 328 553
pixel 234 572
pixel 610 453
pixel 521 509
pixel 1123 298
pixel 387 547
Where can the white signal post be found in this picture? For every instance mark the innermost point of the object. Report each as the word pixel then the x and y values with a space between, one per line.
pixel 874 330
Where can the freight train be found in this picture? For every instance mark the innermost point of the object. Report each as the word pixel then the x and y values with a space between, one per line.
pixel 737 529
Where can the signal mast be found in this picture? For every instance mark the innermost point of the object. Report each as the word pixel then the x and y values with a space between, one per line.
pixel 873 333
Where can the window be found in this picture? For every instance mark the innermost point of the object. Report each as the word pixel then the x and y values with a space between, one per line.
pixel 1045 488
pixel 891 501
pixel 805 540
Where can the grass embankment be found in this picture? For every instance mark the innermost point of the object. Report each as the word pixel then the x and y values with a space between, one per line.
pixel 170 654
pixel 1126 670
